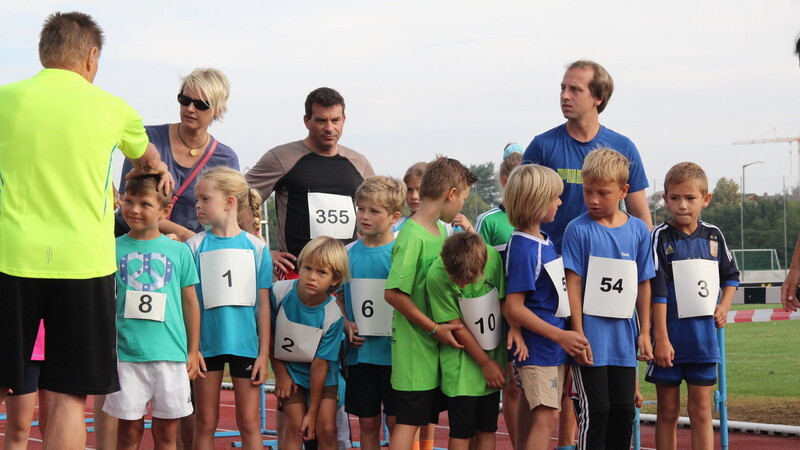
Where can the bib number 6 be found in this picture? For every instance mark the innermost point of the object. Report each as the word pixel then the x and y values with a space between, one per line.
pixel 332 216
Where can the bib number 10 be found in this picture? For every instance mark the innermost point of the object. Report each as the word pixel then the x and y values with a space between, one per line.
pixel 491 323
pixel 332 216
pixel 608 284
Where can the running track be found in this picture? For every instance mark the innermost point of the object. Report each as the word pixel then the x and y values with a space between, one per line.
pixel 227 423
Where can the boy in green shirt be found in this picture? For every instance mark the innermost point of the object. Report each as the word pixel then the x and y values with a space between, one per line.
pixel 415 356
pixel 465 285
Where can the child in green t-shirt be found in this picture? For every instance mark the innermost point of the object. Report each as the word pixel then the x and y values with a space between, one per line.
pixel 415 357
pixel 465 285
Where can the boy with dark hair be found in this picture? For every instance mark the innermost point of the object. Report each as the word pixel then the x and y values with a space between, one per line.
pixel 465 285
pixel 415 356
pixel 608 265
pixel 693 264
pixel 158 320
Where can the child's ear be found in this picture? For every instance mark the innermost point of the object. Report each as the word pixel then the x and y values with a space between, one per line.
pixel 707 199
pixel 394 217
pixel 451 194
pixel 624 191
pixel 230 202
pixel 165 212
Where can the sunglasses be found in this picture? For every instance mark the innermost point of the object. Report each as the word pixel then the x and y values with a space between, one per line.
pixel 201 105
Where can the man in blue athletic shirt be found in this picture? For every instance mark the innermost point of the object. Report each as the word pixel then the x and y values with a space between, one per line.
pixel 585 91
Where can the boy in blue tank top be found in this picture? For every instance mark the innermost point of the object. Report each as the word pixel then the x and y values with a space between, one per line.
pixel 608 265
pixel 693 265
pixel 368 318
pixel 158 320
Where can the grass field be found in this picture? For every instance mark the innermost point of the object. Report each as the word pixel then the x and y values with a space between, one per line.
pixel 763 371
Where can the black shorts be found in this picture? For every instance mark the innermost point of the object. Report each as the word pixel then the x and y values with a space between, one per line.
pixel 470 414
pixel 31 380
pixel 240 367
pixel 418 408
pixel 368 386
pixel 79 316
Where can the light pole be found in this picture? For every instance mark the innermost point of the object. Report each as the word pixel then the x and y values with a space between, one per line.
pixel 741 215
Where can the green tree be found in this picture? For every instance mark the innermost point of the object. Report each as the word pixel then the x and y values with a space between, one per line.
pixel 488 186
pixel 725 193
pixel 473 207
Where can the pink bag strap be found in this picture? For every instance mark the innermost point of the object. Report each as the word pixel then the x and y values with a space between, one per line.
pixel 196 171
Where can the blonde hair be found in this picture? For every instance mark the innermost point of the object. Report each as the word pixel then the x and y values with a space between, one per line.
pixel 67 38
pixel 464 256
pixel 443 174
pixel 388 192
pixel 213 85
pixel 417 170
pixel 530 191
pixel 601 86
pixel 324 251
pixel 232 183
pixel 508 164
pixel 686 171
pixel 605 165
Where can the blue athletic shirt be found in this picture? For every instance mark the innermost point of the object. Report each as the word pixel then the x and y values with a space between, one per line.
pixel 526 256
pixel 693 338
pixel 613 340
pixel 561 152
pixel 368 262
pixel 313 316
pixel 231 330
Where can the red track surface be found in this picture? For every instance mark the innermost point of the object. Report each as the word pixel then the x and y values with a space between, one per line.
pixel 228 423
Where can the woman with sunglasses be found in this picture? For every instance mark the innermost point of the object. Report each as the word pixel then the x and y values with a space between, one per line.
pixel 187 145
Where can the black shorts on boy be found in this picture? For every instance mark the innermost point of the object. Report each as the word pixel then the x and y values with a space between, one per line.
pixel 418 408
pixel 470 414
pixel 368 386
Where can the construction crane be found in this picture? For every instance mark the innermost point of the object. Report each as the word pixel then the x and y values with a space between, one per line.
pixel 778 139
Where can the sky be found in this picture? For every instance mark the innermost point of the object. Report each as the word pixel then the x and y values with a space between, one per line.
pixel 459 78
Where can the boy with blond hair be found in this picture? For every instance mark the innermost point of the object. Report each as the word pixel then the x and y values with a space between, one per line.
pixel 465 286
pixel 608 265
pixel 368 318
pixel 693 265
pixel 415 356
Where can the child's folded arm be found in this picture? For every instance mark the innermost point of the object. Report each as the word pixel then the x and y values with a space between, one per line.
pixel 494 374
pixel 405 306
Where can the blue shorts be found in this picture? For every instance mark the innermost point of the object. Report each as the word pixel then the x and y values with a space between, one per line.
pixel 696 374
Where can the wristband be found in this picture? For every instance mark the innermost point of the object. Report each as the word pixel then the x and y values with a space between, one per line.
pixel 433 331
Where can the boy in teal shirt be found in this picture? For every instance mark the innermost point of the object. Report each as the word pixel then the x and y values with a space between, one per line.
pixel 415 356
pixel 465 285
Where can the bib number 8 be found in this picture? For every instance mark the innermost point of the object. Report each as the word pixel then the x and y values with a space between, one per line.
pixel 606 286
pixel 145 304
pixel 332 216
pixel 491 323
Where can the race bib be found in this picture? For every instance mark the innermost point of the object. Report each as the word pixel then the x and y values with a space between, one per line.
pixel 611 288
pixel 331 215
pixel 228 278
pixel 555 269
pixel 696 286
pixel 482 319
pixel 372 314
pixel 295 342
pixel 145 305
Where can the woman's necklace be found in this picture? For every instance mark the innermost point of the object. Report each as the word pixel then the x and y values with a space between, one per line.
pixel 192 150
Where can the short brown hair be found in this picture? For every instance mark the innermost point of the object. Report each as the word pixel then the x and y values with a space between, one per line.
pixel 601 86
pixel 147 184
pixel 530 190
pixel 508 164
pixel 67 38
pixel 686 171
pixel 443 174
pixel 327 252
pixel 323 96
pixel 605 164
pixel 464 256
pixel 388 192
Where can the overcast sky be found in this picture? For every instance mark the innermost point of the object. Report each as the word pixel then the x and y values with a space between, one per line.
pixel 460 78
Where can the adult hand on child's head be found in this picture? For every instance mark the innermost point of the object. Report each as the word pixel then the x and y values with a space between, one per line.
pixel 282 261
pixel 166 183
pixel 444 334
pixel 494 374
pixel 664 353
